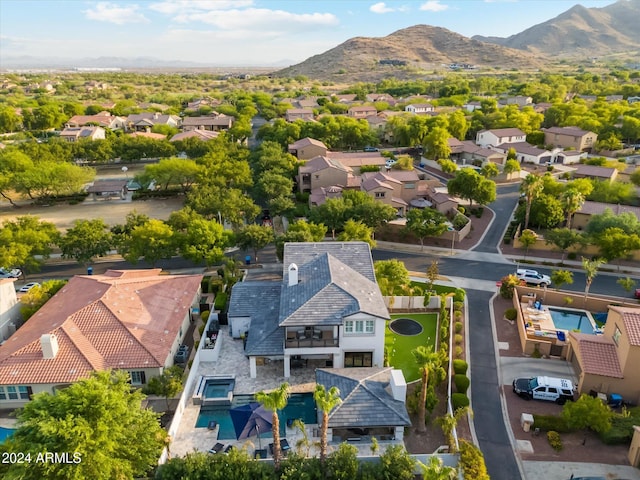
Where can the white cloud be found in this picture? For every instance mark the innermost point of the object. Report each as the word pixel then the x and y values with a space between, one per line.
pixel 380 7
pixel 112 13
pixel 171 7
pixel 259 19
pixel 433 6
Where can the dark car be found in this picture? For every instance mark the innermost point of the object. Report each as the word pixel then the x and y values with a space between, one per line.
pixel 637 293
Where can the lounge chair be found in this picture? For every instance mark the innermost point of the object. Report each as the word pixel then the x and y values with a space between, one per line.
pixel 216 448
pixel 260 453
pixel 229 448
pixel 284 445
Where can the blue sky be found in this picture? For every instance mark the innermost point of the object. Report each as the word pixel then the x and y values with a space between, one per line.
pixel 244 32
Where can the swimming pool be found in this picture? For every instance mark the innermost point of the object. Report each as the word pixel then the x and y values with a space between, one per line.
pixel 5 433
pixel 571 319
pixel 301 405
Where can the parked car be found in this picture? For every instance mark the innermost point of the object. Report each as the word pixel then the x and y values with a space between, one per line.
pixel 552 389
pixel 637 293
pixel 532 277
pixel 28 286
pixel 370 149
pixel 10 273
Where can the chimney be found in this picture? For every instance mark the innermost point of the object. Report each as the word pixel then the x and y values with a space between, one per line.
pixel 293 274
pixel 398 385
pixel 49 344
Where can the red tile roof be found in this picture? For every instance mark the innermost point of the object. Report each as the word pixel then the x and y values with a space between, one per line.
pixel 122 319
pixel 598 355
pixel 631 318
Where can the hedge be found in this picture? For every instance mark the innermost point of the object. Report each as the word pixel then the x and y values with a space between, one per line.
pixel 459 400
pixel 621 429
pixel 220 301
pixel 460 366
pixel 472 462
pixel 462 383
pixel 548 423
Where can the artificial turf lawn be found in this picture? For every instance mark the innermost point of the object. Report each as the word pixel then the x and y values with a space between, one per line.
pixel 400 346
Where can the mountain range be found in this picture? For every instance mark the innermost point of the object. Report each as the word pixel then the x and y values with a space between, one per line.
pixel 576 34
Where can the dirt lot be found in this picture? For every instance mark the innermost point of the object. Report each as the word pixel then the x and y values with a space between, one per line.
pixel 578 446
pixel 111 211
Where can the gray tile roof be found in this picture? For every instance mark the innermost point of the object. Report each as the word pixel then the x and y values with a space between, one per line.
pixel 366 398
pixel 334 280
pixel 259 300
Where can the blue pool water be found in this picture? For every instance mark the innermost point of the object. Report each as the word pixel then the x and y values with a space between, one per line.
pixel 5 433
pixel 571 320
pixel 301 405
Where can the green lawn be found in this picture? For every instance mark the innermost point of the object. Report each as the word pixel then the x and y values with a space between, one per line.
pixel 400 346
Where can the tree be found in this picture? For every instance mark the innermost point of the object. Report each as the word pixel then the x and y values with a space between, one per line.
pixel 527 238
pixel 590 268
pixel 24 238
pixel 37 296
pixel 172 172
pixel 273 401
pixel 433 273
pixel 100 420
pixel 587 412
pixel 563 239
pixel 51 178
pixel 428 361
pixel 511 166
pixel 561 277
pixel 425 222
pixel 625 221
pixel 447 166
pixel 255 237
pixel 472 186
pixel 572 201
pixel 531 186
pixel 326 400
pixel 390 274
pixel 168 384
pixel 614 244
pixel 436 143
pixel 436 470
pixel 86 240
pixel 300 231
pixel 331 213
pixel 365 208
pixel 635 177
pixel 490 170
pixel 448 424
pixel 627 283
pixel 397 464
pixel 546 212
pixel 275 187
pixel 152 241
pixel 357 231
pixel 197 238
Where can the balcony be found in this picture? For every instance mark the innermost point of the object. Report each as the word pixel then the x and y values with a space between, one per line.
pixel 310 337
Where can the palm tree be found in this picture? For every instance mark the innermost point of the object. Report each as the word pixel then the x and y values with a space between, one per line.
pixel 326 401
pixel 436 470
pixel 273 401
pixel 303 442
pixel 572 201
pixel 590 271
pixel 428 360
pixel 532 187
pixel 448 423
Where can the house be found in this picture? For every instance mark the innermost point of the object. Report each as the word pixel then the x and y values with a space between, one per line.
pixel 487 138
pixel 102 119
pixel 293 114
pixel 373 403
pixel 307 148
pixel 520 100
pixel 525 152
pixel 132 320
pixel 330 309
pixel 441 201
pixel 570 138
pixel 73 134
pixel 395 187
pixel 204 135
pixel 344 98
pixel 595 172
pixel 10 316
pixel 145 121
pixel 149 135
pixel 419 108
pixel 356 160
pixel 321 194
pixel 362 111
pixel 472 106
pixel 567 157
pixel 468 152
pixel 381 97
pixel 322 171
pixel 108 189
pixel 581 217
pixel 213 123
pixel 608 363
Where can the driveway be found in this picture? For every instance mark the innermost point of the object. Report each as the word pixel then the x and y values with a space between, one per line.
pixel 514 367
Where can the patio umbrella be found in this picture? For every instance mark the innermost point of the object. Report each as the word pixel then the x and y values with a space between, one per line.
pixel 251 419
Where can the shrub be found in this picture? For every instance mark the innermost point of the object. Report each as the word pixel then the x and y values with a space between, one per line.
pixel 472 462
pixel 458 351
pixel 462 383
pixel 458 327
pixel 506 240
pixel 621 429
pixel 457 306
pixel 461 209
pixel 201 329
pixel 554 440
pixel 460 367
pixel 459 400
pixel 459 295
pixel 511 314
pixel 205 316
pixel 220 301
pixel 458 339
pixel 548 423
pixel 457 315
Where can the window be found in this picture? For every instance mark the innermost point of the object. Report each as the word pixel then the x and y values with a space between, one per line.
pixel 358 359
pixel 409 186
pixel 138 378
pixel 616 335
pixel 21 392
pixel 359 326
pixel 379 194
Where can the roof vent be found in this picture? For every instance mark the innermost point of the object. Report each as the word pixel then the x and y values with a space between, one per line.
pixel 49 345
pixel 293 274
